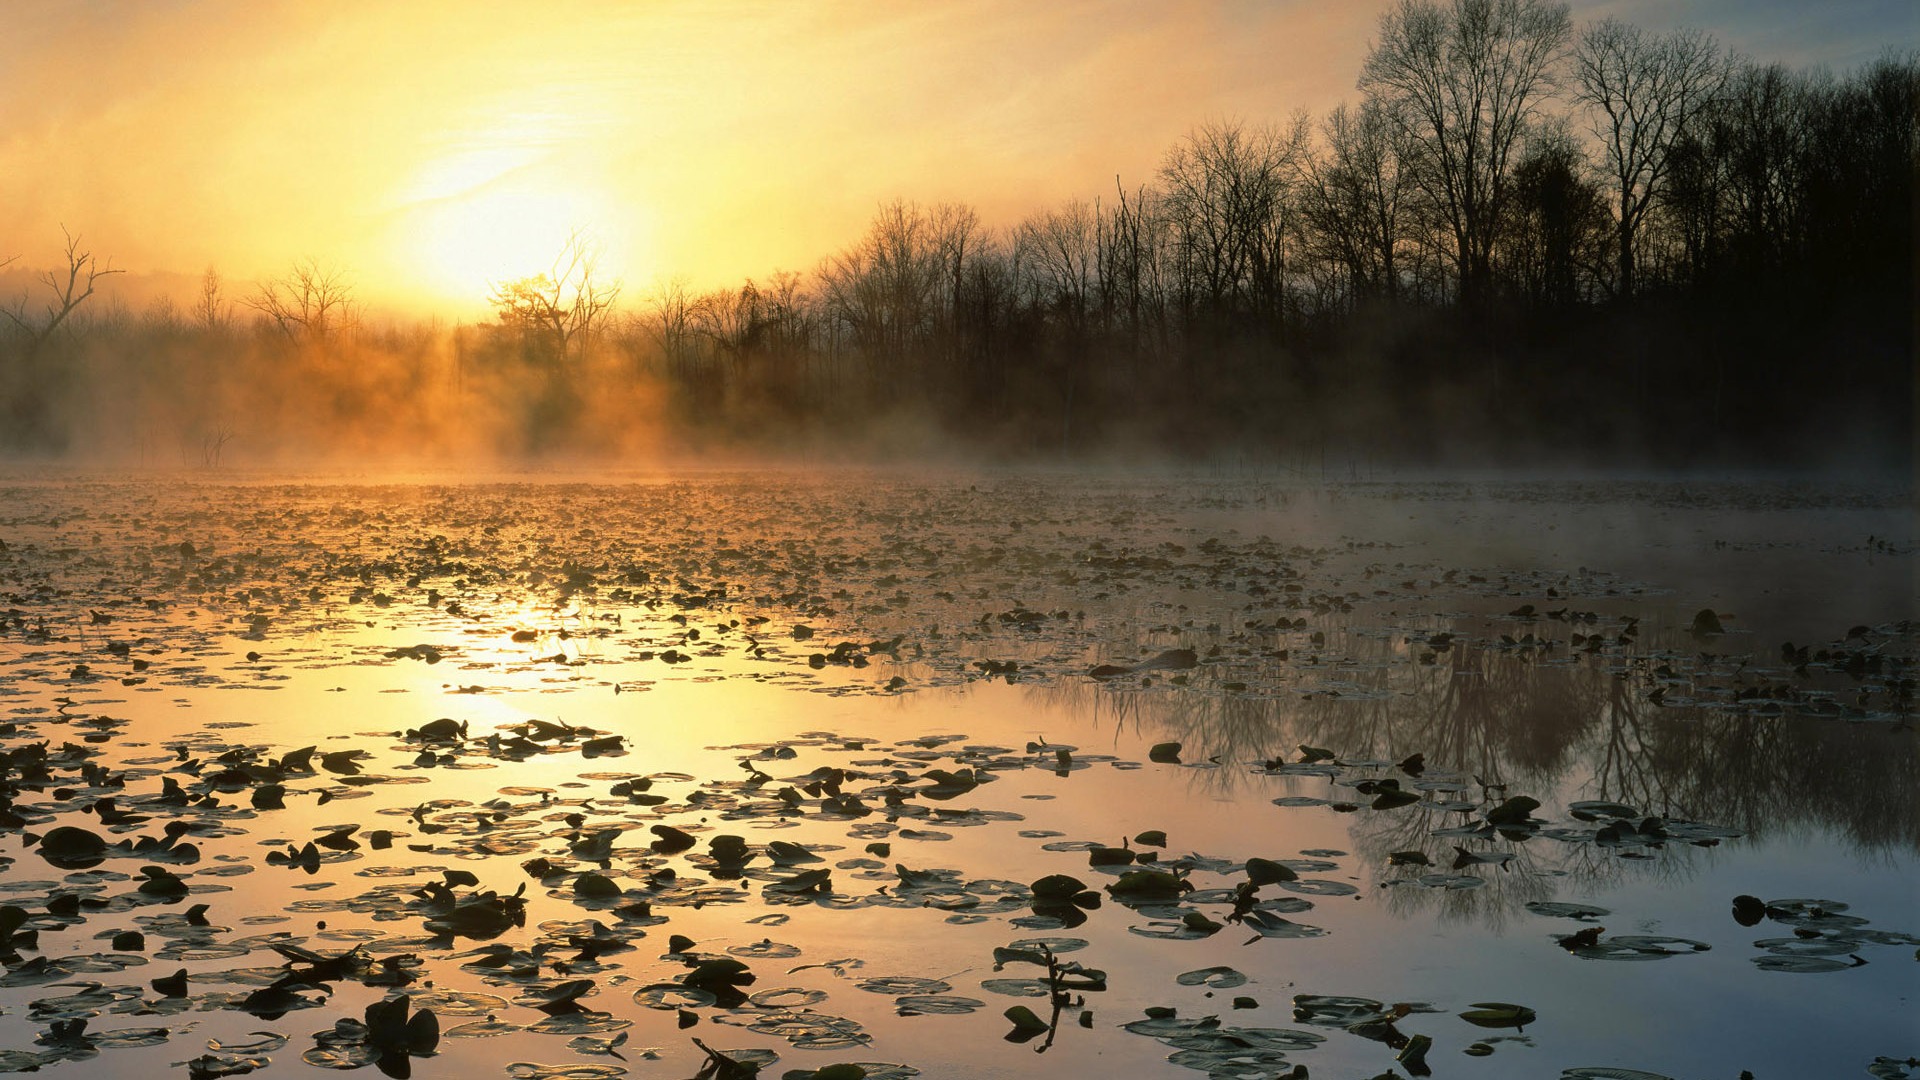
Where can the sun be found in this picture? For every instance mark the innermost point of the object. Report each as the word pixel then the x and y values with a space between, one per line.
pixel 465 245
pixel 473 220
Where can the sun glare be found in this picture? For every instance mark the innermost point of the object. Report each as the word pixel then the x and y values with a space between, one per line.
pixel 465 244
pixel 498 211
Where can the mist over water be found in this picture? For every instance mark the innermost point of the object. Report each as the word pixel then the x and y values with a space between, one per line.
pixel 915 699
pixel 1424 588
pixel 1306 296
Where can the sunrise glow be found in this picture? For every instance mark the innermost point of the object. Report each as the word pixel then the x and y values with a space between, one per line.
pixel 1336 511
pixel 465 243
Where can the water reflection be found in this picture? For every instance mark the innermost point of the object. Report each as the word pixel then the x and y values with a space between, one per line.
pixel 845 690
pixel 1509 718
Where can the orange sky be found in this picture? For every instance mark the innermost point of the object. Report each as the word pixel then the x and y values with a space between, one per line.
pixel 429 148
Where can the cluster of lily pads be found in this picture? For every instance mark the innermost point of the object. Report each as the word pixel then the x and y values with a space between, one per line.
pixel 556 927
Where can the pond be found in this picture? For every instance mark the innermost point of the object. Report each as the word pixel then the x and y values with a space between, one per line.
pixel 985 774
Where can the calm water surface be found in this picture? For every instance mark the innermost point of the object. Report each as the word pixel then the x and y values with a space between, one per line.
pixel 533 706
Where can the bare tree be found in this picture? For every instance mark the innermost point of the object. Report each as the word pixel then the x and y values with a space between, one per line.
pixel 162 317
pixel 313 302
pixel 789 322
pixel 1062 248
pixel 886 288
pixel 1132 272
pixel 1359 190
pixel 1554 240
pixel 956 238
pixel 669 320
pixel 734 320
pixel 68 289
pixel 1773 114
pixel 211 314
pixel 562 308
pixel 1464 82
pixel 1646 90
pixel 1225 188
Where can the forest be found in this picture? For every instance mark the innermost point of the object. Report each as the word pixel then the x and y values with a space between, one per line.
pixel 1525 241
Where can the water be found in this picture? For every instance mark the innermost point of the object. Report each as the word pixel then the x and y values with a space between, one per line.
pixel 730 638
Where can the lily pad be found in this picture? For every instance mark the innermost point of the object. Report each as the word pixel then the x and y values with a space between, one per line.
pixel 1498 1014
pixel 1214 978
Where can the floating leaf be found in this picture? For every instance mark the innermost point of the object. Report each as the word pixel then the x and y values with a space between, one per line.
pixel 1498 1014
pixel 1804 965
pixel 527 1070
pixel 1214 978
pixel 718 977
pixel 1269 925
pixel 595 886
pixel 789 854
pixel 1024 1019
pixel 1267 872
pixel 936 1004
pixel 1589 809
pixel 671 840
pixel 1452 881
pixel 1514 811
pixel 903 984
pixel 1639 947
pixel 1393 798
pixel 1556 910
pixel 71 848
pixel 1058 887
pixel 1141 885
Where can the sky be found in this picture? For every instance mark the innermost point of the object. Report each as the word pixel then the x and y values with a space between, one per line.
pixel 428 149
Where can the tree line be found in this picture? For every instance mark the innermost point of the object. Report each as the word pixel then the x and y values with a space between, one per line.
pixel 1524 238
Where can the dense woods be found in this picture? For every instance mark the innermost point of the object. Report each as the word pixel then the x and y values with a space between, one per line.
pixel 1524 241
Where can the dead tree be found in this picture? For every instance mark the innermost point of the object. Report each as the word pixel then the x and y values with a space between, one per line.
pixel 210 312
pixel 311 303
pixel 68 290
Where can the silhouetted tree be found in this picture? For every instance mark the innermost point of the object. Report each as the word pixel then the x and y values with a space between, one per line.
pixel 312 303
pixel 1061 249
pixel 885 290
pixel 211 313
pixel 1556 241
pixel 559 311
pixel 67 289
pixel 1645 91
pixel 668 321
pixel 1464 83
pixel 1359 190
pixel 1226 189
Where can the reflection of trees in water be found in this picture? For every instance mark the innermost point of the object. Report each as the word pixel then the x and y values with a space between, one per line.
pixel 1560 731
pixel 1573 730
pixel 1487 713
pixel 1234 729
pixel 1504 720
pixel 1761 774
pixel 1542 868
